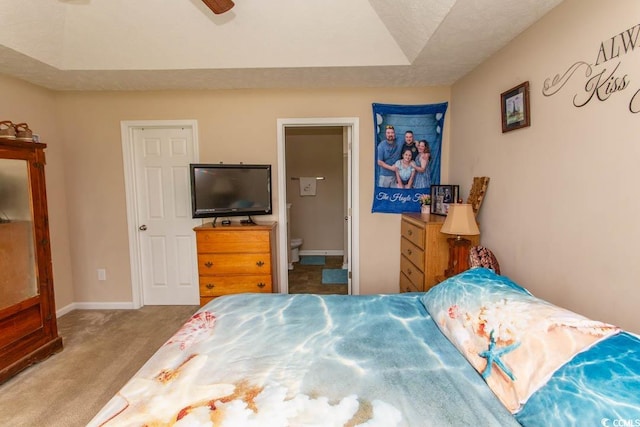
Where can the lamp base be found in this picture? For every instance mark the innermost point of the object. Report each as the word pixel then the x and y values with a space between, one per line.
pixel 458 256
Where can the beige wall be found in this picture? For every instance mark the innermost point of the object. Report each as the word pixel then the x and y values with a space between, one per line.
pixel 561 207
pixel 23 102
pixel 234 126
pixel 559 213
pixel 319 219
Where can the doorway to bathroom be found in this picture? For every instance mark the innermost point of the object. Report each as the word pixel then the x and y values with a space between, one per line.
pixel 317 199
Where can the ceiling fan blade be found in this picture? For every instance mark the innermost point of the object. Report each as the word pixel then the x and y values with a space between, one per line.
pixel 219 6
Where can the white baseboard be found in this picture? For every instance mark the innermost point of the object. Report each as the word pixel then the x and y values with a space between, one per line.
pixel 330 252
pixel 94 306
pixel 64 310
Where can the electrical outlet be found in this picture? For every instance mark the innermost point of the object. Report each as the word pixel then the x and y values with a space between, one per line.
pixel 102 274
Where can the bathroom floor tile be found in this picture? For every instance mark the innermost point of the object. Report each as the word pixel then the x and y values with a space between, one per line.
pixel 307 279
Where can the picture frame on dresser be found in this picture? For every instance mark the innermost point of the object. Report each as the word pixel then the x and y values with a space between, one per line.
pixel 442 196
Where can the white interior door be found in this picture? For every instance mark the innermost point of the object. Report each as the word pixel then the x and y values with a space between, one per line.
pixel 348 141
pixel 166 241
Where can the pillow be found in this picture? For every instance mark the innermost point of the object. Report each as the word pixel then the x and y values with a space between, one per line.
pixel 515 340
pixel 479 256
pixel 601 383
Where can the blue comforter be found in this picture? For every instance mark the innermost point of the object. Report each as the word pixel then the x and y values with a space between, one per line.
pixel 308 360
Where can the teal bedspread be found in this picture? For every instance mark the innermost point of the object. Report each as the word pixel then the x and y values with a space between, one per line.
pixel 307 360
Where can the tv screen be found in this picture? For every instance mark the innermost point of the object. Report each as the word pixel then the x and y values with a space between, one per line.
pixel 220 190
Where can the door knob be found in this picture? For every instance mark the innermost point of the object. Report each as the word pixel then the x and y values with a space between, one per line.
pixel 142 227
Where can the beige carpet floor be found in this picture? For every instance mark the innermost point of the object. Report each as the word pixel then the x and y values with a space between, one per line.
pixel 102 350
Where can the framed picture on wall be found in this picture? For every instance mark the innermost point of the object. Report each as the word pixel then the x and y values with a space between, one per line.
pixel 442 196
pixel 399 128
pixel 515 108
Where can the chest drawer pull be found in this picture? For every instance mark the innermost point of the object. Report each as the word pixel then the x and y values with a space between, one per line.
pixel 261 285
pixel 259 263
pixel 409 271
pixel 210 286
pixel 409 252
pixel 208 264
pixel 410 232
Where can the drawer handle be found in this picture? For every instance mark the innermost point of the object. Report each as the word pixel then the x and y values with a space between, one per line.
pixel 409 252
pixel 261 285
pixel 409 232
pixel 259 263
pixel 409 271
pixel 208 264
pixel 210 286
pixel 407 289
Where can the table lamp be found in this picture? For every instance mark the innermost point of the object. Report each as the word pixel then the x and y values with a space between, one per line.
pixel 460 222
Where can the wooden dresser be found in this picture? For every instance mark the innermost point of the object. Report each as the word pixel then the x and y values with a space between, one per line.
pixel 235 258
pixel 424 251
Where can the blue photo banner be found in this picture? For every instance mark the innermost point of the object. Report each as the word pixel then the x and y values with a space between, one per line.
pixel 408 146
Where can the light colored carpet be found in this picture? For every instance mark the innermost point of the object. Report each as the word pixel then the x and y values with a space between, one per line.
pixel 102 350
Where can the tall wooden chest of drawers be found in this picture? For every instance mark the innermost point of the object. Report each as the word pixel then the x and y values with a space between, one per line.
pixel 424 251
pixel 234 259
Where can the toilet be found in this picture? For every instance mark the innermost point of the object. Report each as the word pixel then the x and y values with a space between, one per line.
pixel 295 244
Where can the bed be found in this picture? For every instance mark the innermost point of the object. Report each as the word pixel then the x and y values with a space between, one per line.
pixel 477 350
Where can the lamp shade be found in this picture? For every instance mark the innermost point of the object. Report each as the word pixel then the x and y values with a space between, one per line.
pixel 460 220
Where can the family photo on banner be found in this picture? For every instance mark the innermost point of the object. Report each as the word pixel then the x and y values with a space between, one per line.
pixel 408 144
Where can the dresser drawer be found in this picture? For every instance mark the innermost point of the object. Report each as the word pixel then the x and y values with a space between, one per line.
pixel 406 285
pixel 413 233
pixel 415 275
pixel 209 264
pixel 235 259
pixel 424 251
pixel 205 300
pixel 233 242
pixel 412 252
pixel 224 285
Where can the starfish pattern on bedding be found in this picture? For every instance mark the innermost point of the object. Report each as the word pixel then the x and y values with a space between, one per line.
pixel 493 355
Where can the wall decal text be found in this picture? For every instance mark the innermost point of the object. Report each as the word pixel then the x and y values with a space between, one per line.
pixel 605 77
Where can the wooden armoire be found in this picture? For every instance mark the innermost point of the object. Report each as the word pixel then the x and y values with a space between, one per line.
pixel 28 328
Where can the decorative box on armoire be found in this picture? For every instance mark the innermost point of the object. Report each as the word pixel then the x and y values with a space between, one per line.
pixel 424 251
pixel 28 328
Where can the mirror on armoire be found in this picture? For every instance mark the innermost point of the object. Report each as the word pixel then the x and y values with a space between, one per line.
pixel 18 280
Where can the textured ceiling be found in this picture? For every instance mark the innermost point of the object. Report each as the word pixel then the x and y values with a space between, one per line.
pixel 181 44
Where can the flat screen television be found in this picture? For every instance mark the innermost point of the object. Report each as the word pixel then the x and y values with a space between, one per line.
pixel 223 190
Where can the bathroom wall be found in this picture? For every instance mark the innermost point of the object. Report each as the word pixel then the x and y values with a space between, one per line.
pixel 319 219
